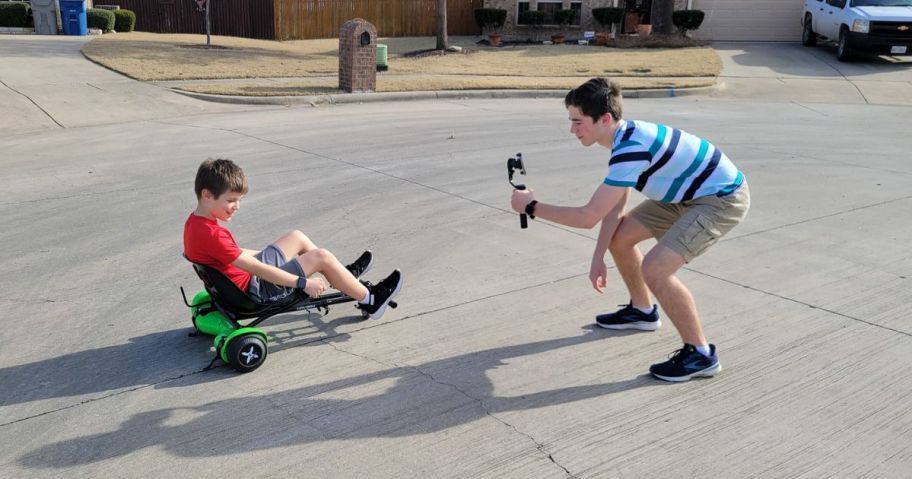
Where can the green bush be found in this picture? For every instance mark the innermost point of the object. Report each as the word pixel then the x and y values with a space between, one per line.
pixel 124 20
pixel 608 16
pixel 15 14
pixel 687 20
pixel 100 19
pixel 532 18
pixel 564 17
pixel 490 19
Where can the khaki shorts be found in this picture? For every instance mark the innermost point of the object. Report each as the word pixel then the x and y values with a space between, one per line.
pixel 690 227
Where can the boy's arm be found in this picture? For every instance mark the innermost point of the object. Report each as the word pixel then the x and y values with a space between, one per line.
pixel 603 201
pixel 251 252
pixel 598 271
pixel 270 273
pixel 609 225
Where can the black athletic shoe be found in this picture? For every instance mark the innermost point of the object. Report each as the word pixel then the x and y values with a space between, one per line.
pixel 687 363
pixel 361 265
pixel 381 294
pixel 629 317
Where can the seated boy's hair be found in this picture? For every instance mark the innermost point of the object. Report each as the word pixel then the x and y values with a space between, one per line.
pixel 219 176
pixel 597 97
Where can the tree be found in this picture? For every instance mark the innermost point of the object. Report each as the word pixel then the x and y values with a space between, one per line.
pixel 660 17
pixel 203 6
pixel 442 25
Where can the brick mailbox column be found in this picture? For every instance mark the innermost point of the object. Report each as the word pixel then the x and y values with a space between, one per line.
pixel 358 56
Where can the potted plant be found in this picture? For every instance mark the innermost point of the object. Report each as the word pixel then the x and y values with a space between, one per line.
pixel 607 17
pixel 563 18
pixel 534 19
pixel 644 29
pixel 491 20
pixel 687 20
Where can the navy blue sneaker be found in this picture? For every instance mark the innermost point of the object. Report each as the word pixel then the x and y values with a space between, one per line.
pixel 629 317
pixel 687 363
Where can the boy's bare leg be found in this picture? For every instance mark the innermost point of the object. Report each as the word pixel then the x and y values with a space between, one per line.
pixel 659 268
pixel 295 243
pixel 629 260
pixel 322 261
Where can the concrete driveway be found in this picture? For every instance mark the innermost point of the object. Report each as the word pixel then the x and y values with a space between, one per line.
pixel 792 72
pixel 491 366
pixel 46 83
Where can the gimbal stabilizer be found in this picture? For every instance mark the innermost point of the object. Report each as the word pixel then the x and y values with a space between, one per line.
pixel 517 164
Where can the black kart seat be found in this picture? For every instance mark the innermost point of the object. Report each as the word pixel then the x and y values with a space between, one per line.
pixel 238 303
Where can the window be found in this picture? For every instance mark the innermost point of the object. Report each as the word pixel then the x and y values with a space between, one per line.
pixel 550 7
pixel 578 8
pixel 520 8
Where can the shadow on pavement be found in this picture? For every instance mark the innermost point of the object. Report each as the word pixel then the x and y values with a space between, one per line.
pixel 419 402
pixel 154 359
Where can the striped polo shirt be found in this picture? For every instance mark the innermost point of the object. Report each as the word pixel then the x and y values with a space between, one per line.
pixel 669 165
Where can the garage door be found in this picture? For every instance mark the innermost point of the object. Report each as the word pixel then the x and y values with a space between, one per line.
pixel 750 20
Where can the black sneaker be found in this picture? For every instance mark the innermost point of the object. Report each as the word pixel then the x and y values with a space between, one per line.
pixel 629 317
pixel 687 363
pixel 361 265
pixel 381 294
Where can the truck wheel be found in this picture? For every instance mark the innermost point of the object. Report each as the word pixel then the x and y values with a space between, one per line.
pixel 246 353
pixel 808 37
pixel 843 50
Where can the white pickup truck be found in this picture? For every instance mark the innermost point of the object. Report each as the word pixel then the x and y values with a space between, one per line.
pixel 877 26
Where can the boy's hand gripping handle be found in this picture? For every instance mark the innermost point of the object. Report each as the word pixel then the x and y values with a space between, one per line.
pixel 517 164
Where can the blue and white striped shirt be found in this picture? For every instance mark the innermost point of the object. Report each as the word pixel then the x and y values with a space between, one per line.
pixel 669 165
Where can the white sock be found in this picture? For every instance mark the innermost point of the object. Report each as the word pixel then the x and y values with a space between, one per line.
pixel 704 350
pixel 367 298
pixel 645 310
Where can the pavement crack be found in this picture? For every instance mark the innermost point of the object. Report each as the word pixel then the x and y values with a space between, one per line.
pixel 101 398
pixel 539 446
pixel 33 103
pixel 816 218
pixel 798 301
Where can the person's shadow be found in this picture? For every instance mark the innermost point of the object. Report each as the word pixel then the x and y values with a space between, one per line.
pixel 426 398
pixel 155 358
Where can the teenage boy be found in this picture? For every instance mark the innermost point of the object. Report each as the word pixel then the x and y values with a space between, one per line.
pixel 274 272
pixel 694 194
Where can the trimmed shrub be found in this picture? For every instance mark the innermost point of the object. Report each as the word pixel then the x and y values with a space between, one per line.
pixel 490 19
pixel 608 16
pixel 100 19
pixel 15 14
pixel 124 20
pixel 687 20
pixel 534 19
pixel 564 17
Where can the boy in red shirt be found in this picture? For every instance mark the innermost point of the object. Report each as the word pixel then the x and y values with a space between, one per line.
pixel 274 272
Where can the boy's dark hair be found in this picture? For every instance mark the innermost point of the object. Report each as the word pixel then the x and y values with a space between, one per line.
pixel 597 97
pixel 219 176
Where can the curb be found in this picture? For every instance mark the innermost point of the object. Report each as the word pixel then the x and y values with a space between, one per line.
pixel 427 95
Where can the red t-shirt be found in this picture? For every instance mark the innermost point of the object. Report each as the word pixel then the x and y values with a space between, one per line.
pixel 209 243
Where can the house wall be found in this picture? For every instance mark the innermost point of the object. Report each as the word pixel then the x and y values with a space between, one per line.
pixel 512 31
pixel 726 20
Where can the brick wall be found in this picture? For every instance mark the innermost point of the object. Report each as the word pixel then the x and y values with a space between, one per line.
pixel 513 32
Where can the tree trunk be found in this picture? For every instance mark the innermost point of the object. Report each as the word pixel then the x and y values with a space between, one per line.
pixel 208 27
pixel 442 25
pixel 660 18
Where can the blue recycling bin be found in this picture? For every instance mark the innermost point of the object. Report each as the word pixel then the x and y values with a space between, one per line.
pixel 73 16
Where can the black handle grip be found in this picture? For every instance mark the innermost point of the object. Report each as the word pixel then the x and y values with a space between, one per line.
pixel 523 221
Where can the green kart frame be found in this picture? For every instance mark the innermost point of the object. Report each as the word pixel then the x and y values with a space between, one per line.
pixel 220 308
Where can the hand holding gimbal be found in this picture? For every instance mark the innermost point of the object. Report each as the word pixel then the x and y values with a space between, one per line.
pixel 517 164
